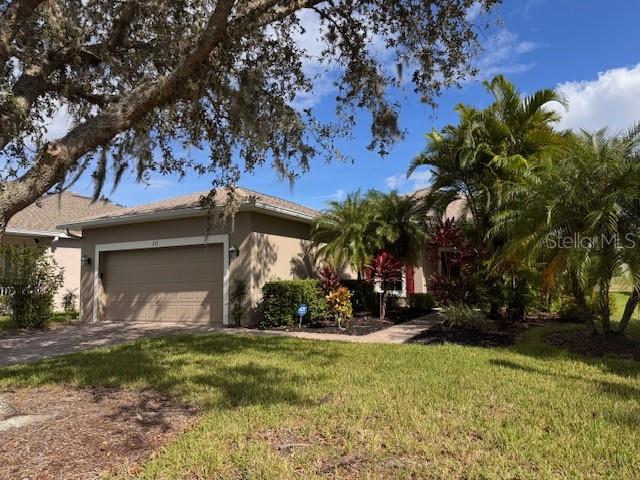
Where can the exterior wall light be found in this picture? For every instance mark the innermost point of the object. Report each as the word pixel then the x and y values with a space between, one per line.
pixel 84 260
pixel 233 253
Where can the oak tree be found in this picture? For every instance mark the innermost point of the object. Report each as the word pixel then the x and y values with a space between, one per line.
pixel 145 82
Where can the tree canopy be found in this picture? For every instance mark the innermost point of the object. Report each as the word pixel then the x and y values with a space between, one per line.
pixel 144 82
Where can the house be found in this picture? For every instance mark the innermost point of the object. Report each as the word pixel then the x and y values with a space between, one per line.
pixel 37 224
pixel 175 261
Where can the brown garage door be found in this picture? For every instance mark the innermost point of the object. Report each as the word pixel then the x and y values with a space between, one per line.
pixel 176 284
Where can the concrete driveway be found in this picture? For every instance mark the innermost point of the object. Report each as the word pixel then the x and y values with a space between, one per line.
pixel 24 346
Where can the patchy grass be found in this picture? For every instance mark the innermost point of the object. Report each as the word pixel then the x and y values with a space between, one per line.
pixel 286 408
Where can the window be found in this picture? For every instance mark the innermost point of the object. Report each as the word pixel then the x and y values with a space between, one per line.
pixel 397 288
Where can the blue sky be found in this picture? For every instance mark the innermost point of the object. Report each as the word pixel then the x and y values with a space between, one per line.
pixel 588 49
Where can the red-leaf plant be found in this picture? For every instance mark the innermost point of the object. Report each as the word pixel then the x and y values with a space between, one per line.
pixel 329 280
pixel 462 257
pixel 385 269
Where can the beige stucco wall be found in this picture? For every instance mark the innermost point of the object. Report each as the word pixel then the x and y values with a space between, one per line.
pixel 267 245
pixel 66 253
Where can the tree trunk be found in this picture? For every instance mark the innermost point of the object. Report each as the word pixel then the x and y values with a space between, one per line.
pixel 383 304
pixel 629 308
pixel 581 303
pixel 605 310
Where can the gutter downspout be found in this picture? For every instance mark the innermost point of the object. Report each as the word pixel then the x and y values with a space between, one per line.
pixel 72 235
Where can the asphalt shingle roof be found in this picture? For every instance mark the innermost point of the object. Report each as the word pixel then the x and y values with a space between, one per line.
pixel 58 209
pixel 193 200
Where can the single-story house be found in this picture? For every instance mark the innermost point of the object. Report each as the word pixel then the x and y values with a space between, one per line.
pixel 170 261
pixel 176 261
pixel 37 225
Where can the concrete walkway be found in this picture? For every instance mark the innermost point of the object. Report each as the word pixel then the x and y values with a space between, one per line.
pixel 24 347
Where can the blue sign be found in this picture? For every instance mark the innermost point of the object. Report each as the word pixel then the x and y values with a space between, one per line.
pixel 302 310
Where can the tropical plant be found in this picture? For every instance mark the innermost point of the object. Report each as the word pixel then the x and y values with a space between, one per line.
pixel 34 278
pixel 458 260
pixel 329 280
pixel 461 315
pixel 399 223
pixel 339 301
pixel 485 151
pixel 345 232
pixel 578 215
pixel 385 270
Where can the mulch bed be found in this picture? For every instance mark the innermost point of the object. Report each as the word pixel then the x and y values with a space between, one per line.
pixel 439 335
pixel 501 334
pixel 583 343
pixel 91 432
pixel 360 324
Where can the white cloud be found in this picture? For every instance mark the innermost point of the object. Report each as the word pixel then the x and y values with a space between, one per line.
pixel 502 54
pixel 400 182
pixel 612 100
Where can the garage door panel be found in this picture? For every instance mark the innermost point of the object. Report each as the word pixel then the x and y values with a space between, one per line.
pixel 176 284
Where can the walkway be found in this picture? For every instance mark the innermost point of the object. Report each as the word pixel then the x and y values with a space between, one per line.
pixel 23 346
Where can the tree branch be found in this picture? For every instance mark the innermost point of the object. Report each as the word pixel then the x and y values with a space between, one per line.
pixel 10 21
pixel 59 156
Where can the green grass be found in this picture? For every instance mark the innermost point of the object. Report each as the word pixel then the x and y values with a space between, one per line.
pixel 58 317
pixel 620 300
pixel 405 411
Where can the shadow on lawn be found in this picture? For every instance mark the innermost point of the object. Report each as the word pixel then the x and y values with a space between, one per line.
pixel 212 371
pixel 622 391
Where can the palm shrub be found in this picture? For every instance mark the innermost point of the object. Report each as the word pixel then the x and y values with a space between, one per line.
pixel 33 277
pixel 473 160
pixel 345 233
pixel 577 214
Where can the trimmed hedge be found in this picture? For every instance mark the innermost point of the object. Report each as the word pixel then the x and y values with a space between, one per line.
pixel 281 299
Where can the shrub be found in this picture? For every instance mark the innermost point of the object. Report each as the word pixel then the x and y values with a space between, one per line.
pixel 329 280
pixel 363 295
pixel 339 302
pixel 69 305
pixel 237 300
pixel 281 299
pixel 421 302
pixel 34 278
pixel 459 315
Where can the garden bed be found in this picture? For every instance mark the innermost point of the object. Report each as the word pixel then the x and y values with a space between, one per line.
pixel 360 324
pixel 500 334
pixel 583 343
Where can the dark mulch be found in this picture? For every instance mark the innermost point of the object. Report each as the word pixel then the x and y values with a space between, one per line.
pixel 583 343
pixel 357 326
pixel 91 432
pixel 501 334
pixel 439 335
pixel 360 324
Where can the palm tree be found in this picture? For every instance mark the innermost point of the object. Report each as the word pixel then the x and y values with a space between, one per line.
pixel 578 213
pixel 398 222
pixel 485 153
pixel 345 232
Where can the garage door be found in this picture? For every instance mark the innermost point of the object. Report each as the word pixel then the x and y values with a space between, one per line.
pixel 176 284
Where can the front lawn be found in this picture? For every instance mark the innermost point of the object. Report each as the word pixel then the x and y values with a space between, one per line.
pixel 286 408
